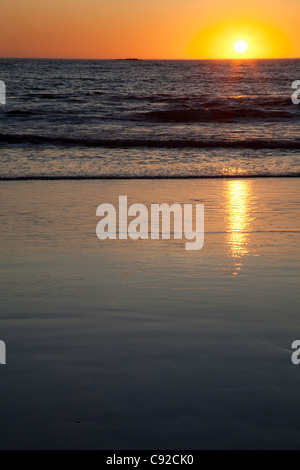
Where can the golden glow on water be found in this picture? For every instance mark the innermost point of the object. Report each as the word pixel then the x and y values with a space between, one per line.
pixel 238 216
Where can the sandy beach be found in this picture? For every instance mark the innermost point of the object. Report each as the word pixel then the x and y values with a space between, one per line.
pixel 141 344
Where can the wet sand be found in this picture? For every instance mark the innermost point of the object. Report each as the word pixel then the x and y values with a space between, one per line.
pixel 141 344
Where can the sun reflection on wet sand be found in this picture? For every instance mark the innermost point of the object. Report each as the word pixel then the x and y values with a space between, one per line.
pixel 239 218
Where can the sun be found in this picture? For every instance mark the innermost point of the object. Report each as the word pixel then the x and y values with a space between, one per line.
pixel 240 47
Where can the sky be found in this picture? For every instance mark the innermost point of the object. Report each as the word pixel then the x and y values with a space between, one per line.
pixel 149 29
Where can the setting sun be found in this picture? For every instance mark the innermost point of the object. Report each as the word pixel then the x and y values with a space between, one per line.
pixel 240 47
pixel 183 30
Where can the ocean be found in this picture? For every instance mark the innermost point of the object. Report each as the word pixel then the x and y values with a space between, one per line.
pixel 123 344
pixel 149 119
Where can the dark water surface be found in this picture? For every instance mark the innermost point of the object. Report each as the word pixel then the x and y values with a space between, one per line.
pixel 143 345
pixel 149 118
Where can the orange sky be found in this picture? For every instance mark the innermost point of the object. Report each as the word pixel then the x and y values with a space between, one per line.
pixel 149 29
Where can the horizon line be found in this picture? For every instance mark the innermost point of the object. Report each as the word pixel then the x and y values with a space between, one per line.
pixel 133 59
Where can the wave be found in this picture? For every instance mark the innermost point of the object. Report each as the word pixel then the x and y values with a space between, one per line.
pixel 219 114
pixel 146 177
pixel 19 113
pixel 47 96
pixel 64 141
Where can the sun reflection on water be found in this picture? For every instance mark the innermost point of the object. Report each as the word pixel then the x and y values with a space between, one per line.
pixel 239 220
